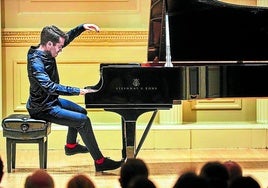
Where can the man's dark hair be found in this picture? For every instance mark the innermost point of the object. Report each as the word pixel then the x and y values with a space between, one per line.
pixel 52 33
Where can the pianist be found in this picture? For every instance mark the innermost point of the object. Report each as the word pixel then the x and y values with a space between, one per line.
pixel 44 102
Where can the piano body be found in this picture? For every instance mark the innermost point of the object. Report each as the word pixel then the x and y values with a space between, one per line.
pixel 217 50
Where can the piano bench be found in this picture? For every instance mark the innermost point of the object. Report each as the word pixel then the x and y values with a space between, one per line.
pixel 21 128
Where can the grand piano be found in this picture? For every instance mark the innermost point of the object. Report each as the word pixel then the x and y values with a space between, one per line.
pixel 197 49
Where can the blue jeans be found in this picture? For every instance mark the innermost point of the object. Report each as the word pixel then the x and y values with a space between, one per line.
pixel 75 117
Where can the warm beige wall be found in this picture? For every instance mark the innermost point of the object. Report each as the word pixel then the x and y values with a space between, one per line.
pixel 262 3
pixel 220 110
pixel 109 14
pixel 123 39
pixel 248 2
pixel 242 2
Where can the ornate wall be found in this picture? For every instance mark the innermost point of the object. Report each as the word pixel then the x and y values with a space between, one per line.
pixel 123 39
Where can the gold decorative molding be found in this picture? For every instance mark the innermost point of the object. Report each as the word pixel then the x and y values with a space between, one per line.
pixel 107 38
pixel 217 104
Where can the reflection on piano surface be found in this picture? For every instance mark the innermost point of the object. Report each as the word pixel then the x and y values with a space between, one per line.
pixel 212 59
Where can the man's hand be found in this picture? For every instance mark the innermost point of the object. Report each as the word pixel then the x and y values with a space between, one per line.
pixel 91 27
pixel 84 91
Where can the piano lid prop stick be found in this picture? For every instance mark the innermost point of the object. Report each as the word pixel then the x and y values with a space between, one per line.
pixel 168 53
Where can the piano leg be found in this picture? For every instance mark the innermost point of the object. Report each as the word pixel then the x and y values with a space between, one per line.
pixel 124 152
pixel 146 131
pixel 129 139
pixel 128 120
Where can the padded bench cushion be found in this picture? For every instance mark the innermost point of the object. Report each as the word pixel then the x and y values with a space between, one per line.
pixel 22 126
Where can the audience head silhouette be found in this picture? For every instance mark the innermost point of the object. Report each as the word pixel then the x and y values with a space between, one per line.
pixel 1 169
pixel 242 182
pixel 190 180
pixel 216 174
pixel 141 182
pixel 234 169
pixel 131 168
pixel 80 181
pixel 39 179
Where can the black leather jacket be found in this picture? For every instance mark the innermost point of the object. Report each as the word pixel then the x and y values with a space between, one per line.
pixel 45 86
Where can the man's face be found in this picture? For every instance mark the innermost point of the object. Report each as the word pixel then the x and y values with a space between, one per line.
pixel 55 49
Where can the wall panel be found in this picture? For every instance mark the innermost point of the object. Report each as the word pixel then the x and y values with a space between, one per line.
pixel 107 14
pixel 21 85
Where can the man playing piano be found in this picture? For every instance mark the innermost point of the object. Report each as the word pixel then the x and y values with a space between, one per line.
pixel 44 102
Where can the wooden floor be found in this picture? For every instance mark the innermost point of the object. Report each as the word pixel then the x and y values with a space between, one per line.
pixel 164 165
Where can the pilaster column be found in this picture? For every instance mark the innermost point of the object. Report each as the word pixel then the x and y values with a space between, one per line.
pixel 172 116
pixel 262 110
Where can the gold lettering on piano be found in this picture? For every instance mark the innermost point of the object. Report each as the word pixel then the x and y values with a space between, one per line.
pixel 147 88
pixel 150 88
pixel 136 87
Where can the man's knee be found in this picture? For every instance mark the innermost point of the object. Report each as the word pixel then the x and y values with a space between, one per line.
pixel 84 121
pixel 84 111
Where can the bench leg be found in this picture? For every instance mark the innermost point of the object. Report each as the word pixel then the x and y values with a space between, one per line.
pixel 45 153
pixel 13 154
pixel 41 153
pixel 9 156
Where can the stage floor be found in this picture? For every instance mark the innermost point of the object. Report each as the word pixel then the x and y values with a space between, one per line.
pixel 164 165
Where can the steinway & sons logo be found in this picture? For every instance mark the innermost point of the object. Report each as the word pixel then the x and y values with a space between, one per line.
pixel 136 85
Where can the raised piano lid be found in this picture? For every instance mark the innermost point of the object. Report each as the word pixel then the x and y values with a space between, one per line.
pixel 209 30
